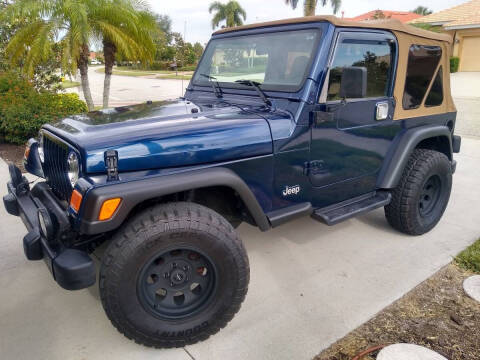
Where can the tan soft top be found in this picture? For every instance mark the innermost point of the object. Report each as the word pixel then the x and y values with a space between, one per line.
pixel 383 24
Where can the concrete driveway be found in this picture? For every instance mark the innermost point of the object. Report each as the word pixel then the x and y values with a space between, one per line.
pixel 310 285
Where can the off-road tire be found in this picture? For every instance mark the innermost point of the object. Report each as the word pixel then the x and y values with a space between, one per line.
pixel 158 229
pixel 404 211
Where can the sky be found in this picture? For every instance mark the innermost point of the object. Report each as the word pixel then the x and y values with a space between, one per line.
pixel 193 15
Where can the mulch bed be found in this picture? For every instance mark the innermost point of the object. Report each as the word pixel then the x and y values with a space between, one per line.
pixel 436 314
pixel 13 153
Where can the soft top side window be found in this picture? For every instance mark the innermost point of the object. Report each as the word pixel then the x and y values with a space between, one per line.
pixel 435 96
pixel 422 64
pixel 373 57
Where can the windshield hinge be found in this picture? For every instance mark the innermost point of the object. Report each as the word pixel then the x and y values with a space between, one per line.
pixel 111 164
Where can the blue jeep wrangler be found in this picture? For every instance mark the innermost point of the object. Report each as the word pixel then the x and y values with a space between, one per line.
pixel 311 116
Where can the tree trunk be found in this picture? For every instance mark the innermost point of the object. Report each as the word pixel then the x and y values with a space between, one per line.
pixel 309 7
pixel 109 51
pixel 83 68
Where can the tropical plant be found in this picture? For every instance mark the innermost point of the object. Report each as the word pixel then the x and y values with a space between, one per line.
pixel 422 10
pixel 309 6
pixel 24 109
pixel 378 15
pixel 126 28
pixel 231 12
pixel 44 23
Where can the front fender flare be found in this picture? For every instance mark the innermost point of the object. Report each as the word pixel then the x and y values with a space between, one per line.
pixel 137 191
pixel 401 149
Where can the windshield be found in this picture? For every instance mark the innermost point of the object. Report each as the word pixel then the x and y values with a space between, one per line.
pixel 278 61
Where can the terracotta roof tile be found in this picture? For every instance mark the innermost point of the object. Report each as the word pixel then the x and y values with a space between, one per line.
pixel 403 16
pixel 460 15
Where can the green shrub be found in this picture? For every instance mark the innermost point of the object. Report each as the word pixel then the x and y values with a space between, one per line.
pixel 454 62
pixel 469 258
pixel 23 109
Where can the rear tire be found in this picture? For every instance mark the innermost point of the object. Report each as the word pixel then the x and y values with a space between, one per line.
pixel 421 197
pixel 173 275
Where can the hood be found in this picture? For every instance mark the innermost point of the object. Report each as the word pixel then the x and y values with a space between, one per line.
pixel 165 134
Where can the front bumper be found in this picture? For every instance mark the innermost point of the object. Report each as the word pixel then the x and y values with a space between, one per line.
pixel 72 269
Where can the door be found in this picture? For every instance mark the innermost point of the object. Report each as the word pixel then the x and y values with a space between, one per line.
pixel 469 56
pixel 352 126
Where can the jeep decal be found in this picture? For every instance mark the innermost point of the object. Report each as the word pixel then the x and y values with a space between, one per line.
pixel 291 190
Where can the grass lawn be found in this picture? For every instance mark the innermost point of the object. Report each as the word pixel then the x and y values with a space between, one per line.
pixel 163 74
pixel 69 84
pixel 469 259
pixel 176 77
pixel 127 73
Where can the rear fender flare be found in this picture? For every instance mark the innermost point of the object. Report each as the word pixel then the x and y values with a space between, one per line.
pixel 401 149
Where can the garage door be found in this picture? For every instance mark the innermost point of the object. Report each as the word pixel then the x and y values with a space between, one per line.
pixel 470 57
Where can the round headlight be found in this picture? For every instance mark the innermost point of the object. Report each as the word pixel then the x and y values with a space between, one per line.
pixel 40 148
pixel 73 168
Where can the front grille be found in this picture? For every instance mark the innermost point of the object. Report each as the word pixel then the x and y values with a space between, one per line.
pixel 55 166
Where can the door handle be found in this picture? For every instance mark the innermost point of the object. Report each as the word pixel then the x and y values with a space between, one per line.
pixel 381 111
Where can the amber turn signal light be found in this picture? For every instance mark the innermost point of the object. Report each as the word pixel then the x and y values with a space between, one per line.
pixel 27 152
pixel 76 200
pixel 108 208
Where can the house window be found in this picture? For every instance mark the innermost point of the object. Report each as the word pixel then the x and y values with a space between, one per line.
pixel 422 63
pixel 372 56
pixel 435 96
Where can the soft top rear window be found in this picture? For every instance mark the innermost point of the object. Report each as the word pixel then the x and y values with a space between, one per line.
pixel 278 60
pixel 422 64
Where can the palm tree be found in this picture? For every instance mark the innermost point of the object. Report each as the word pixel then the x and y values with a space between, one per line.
pixel 309 6
pixel 422 10
pixel 231 12
pixel 45 21
pixel 125 27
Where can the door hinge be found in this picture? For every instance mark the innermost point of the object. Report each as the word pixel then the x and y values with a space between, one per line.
pixel 111 164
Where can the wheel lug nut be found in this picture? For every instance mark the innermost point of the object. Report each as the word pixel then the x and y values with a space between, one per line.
pixel 166 275
pixel 174 265
pixel 185 268
pixel 171 284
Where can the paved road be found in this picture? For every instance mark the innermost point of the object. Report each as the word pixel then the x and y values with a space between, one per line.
pixel 127 90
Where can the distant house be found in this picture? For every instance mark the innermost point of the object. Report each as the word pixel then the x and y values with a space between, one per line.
pixel 403 16
pixel 463 23
pixel 93 55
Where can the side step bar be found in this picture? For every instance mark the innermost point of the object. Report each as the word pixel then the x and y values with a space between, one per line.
pixel 344 210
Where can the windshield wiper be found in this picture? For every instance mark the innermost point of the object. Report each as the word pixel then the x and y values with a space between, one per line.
pixel 256 85
pixel 216 86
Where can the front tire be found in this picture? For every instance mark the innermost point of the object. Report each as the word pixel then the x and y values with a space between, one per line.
pixel 421 197
pixel 173 275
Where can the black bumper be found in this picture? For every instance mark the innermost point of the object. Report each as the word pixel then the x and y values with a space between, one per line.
pixel 72 269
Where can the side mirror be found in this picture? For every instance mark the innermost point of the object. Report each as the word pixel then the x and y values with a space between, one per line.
pixel 354 82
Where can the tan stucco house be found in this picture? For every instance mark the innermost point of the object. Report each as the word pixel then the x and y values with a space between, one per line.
pixel 462 22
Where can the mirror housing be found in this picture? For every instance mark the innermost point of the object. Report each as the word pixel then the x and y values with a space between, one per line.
pixel 354 82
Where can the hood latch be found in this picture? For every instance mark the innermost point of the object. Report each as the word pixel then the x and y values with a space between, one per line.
pixel 111 164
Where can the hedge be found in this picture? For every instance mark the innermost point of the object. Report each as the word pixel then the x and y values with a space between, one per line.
pixel 23 109
pixel 454 62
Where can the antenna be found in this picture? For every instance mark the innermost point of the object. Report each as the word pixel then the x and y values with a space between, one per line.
pixel 184 42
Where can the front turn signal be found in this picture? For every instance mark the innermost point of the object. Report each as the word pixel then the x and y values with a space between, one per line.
pixel 76 200
pixel 108 208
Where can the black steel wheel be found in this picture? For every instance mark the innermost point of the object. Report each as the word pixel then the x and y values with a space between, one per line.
pixel 176 283
pixel 173 275
pixel 429 195
pixel 421 197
